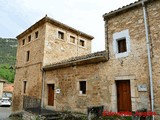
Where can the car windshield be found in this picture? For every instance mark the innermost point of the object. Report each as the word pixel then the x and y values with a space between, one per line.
pixel 7 94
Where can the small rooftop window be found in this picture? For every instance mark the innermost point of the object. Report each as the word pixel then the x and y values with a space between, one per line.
pixel 29 38
pixel 72 39
pixel 60 35
pixel 23 41
pixel 81 43
pixel 36 34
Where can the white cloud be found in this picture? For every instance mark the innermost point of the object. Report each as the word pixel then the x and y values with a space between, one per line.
pixel 84 15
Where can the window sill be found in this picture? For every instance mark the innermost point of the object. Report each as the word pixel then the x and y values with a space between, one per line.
pixel 60 39
pixel 82 95
pixel 36 38
pixel 27 62
pixel 72 43
pixel 24 94
pixel 120 55
pixel 84 47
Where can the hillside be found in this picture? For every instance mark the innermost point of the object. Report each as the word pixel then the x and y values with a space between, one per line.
pixel 8 48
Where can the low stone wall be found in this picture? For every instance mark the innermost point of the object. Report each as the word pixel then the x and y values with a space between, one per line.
pixel 61 116
pixel 31 116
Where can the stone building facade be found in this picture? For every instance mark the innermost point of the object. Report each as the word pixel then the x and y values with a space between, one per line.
pixel 117 78
pixel 47 41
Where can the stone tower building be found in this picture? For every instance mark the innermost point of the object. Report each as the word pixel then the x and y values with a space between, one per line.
pixel 47 41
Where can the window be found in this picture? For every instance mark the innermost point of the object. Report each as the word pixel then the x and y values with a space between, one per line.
pixel 36 34
pixel 82 87
pixel 72 39
pixel 28 55
pixel 121 43
pixel 81 43
pixel 60 35
pixel 29 38
pixel 24 86
pixel 23 41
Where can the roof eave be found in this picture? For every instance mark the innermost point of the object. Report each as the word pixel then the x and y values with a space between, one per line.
pixel 110 14
pixel 2 81
pixel 55 22
pixel 30 29
pixel 92 60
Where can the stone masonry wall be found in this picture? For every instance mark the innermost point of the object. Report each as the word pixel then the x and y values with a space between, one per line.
pixel 101 78
pixel 135 64
pixel 32 75
pixel 29 71
pixel 36 47
pixel 45 49
pixel 67 80
pixel 153 11
pixel 57 49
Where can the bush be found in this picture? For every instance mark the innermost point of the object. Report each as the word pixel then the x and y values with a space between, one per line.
pixel 7 72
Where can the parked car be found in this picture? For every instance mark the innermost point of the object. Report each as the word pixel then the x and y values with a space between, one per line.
pixel 5 101
pixel 7 94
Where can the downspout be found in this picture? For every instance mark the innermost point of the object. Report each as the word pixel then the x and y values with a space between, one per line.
pixel 106 38
pixel 149 56
pixel 43 78
pixel 78 36
pixel 77 43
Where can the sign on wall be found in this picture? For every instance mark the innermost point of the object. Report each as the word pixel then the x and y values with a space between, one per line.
pixel 142 88
pixel 58 90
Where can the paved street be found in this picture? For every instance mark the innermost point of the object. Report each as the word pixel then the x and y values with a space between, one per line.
pixel 4 112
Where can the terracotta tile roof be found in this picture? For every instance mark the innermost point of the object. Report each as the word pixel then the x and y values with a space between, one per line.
pixel 8 87
pixel 106 15
pixel 54 22
pixel 79 60
pixel 1 80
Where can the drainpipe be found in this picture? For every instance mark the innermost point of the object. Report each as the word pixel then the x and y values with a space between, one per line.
pixel 78 36
pixel 149 57
pixel 77 43
pixel 43 78
pixel 106 38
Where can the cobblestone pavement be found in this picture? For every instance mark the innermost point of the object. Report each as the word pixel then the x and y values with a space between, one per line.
pixel 4 113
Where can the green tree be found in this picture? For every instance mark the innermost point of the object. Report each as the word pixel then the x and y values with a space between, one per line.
pixel 7 72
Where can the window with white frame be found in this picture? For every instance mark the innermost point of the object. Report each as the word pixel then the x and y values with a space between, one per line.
pixel 121 43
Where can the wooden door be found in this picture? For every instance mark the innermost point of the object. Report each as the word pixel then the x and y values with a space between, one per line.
pixel 51 94
pixel 123 95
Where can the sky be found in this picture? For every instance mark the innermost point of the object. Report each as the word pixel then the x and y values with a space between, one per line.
pixel 85 15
